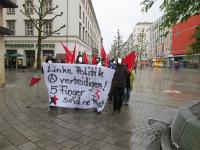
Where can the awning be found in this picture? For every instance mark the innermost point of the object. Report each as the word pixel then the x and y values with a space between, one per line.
pixel 8 4
pixel 13 55
pixel 5 31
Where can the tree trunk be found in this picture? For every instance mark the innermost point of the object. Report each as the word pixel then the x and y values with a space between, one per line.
pixel 140 61
pixel 39 51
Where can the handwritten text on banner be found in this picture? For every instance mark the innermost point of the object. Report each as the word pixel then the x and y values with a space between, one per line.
pixel 77 85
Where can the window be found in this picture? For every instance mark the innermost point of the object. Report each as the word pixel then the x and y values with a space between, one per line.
pixel 10 10
pixel 80 11
pixel 29 6
pixel 83 33
pixel 80 30
pixel 48 53
pixel 28 28
pixel 86 36
pixel 48 6
pixel 83 17
pixel 11 25
pixel 48 27
pixel 86 21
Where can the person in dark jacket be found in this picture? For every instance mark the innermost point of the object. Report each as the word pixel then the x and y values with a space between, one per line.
pixel 119 83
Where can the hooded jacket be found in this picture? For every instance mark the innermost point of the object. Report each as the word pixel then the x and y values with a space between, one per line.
pixel 120 76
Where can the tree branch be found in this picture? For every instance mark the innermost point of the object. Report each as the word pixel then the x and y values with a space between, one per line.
pixel 34 7
pixel 54 32
pixel 29 16
pixel 50 10
pixel 50 20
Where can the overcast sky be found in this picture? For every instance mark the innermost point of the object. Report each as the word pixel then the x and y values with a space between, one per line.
pixel 122 15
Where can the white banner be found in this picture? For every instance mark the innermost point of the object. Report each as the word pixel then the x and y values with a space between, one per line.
pixel 77 85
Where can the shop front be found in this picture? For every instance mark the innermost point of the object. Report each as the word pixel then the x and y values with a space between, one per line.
pixel 24 54
pixel 159 62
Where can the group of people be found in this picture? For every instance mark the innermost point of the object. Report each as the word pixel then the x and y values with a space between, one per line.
pixel 122 82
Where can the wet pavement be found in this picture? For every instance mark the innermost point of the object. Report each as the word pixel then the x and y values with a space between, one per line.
pixel 25 123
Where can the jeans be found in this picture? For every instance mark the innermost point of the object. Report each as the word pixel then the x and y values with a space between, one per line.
pixel 127 94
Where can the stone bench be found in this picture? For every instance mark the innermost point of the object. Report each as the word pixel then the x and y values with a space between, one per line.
pixel 183 133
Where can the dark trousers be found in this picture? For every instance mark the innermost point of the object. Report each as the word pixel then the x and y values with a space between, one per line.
pixel 118 97
pixel 111 94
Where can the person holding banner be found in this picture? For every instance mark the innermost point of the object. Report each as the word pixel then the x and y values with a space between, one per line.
pixel 119 83
pixel 79 59
pixel 50 60
pixel 111 65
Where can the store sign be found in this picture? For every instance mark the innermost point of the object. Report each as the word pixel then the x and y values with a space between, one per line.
pixel 19 45
pixel 28 45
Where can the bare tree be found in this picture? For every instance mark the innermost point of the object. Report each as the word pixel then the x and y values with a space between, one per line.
pixel 117 45
pixel 39 21
pixel 141 46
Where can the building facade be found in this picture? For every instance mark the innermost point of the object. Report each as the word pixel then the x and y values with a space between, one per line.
pixel 3 31
pixel 181 40
pixel 81 28
pixel 133 43
pixel 160 47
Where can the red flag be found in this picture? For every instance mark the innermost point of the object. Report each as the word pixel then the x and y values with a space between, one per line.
pixel 94 59
pixel 34 81
pixel 106 62
pixel 130 60
pixel 103 54
pixel 85 59
pixel 73 55
pixel 68 56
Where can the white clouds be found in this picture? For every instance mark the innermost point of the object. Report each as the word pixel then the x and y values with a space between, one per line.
pixel 122 15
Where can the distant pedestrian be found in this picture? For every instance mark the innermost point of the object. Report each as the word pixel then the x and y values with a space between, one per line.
pixel 129 86
pixel 119 83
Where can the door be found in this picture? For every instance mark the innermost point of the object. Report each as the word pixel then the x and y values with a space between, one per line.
pixel 30 58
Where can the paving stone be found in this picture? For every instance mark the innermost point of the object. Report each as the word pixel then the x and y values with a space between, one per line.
pixel 96 144
pixel 44 142
pixel 4 142
pixel 81 146
pixel 110 147
pixel 138 147
pixel 11 147
pixel 109 140
pixel 73 135
pixel 13 136
pixel 53 146
pixel 84 139
pixel 27 146
pixel 36 137
pixel 69 143
pixel 26 124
